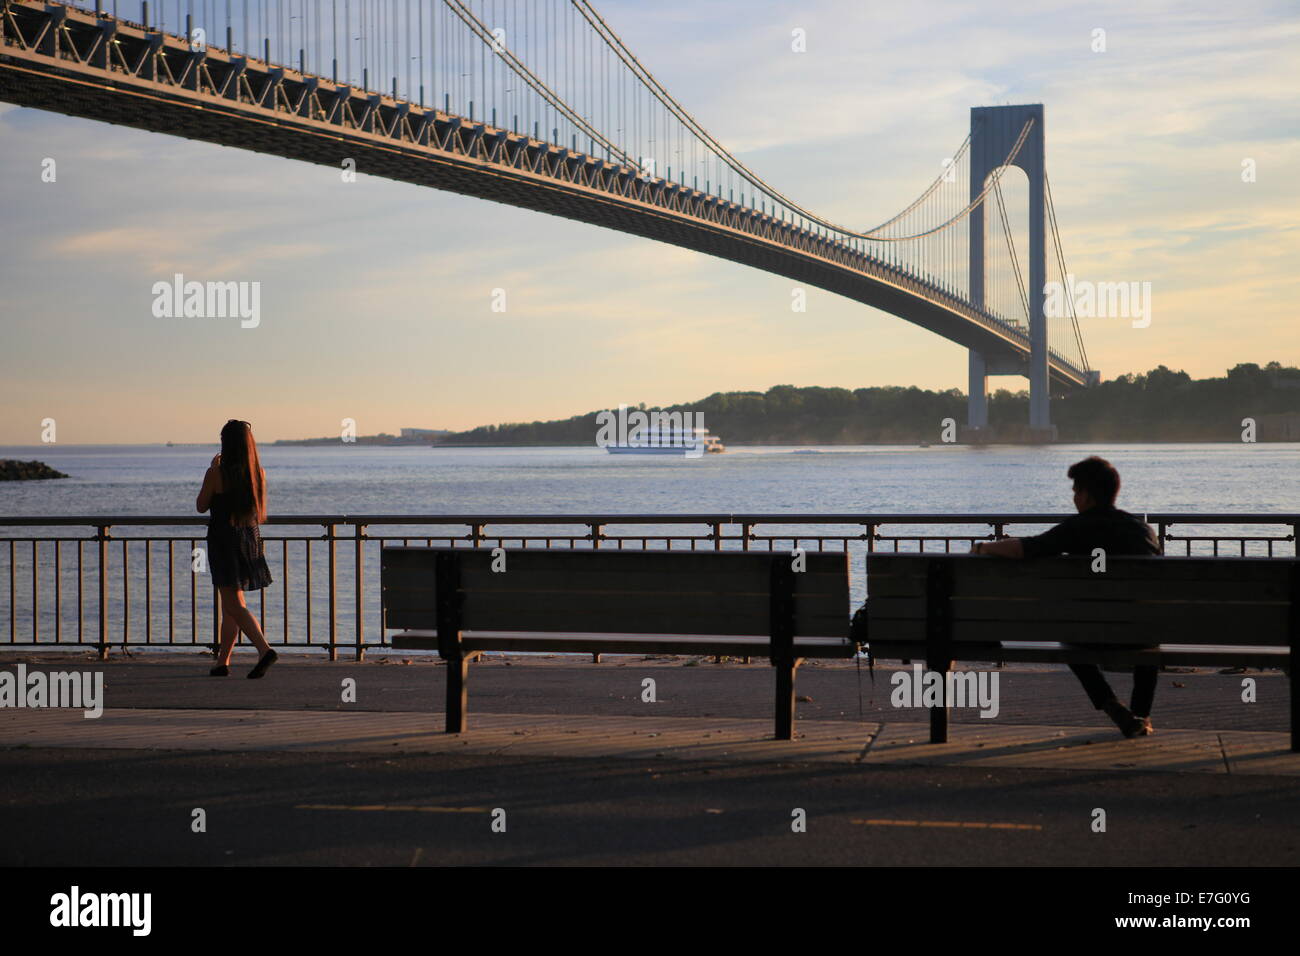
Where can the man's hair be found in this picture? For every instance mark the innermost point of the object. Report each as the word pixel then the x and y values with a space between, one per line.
pixel 1098 477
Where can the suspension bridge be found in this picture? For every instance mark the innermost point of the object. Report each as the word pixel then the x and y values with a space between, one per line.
pixel 540 105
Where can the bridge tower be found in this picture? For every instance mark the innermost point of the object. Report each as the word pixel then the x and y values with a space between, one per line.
pixel 993 133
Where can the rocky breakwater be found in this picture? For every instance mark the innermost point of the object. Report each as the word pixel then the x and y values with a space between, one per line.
pixel 11 470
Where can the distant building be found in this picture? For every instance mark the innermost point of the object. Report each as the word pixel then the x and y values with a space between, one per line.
pixel 417 433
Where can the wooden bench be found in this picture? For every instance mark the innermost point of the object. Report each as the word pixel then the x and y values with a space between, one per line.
pixel 1242 612
pixel 617 602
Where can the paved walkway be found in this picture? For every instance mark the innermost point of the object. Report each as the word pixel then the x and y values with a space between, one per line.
pixel 567 708
pixel 291 773
pixel 639 738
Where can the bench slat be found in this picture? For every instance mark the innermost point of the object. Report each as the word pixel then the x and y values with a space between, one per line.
pixel 752 580
pixel 680 563
pixel 1092 587
pixel 1273 571
pixel 1200 620
pixel 600 613
pixel 709 644
pixel 1075 632
pixel 814 592
pixel 1051 653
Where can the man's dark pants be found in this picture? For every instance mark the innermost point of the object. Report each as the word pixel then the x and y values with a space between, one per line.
pixel 1090 676
pixel 1099 692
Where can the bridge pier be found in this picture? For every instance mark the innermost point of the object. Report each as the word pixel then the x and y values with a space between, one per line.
pixel 977 399
pixel 994 131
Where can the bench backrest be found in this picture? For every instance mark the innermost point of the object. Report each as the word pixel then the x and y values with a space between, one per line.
pixel 1136 600
pixel 632 592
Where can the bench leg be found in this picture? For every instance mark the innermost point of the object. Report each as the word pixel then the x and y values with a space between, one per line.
pixel 938 725
pixel 785 698
pixel 939 715
pixel 457 694
pixel 1295 709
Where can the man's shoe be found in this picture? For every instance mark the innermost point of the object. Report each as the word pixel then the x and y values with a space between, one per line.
pixel 267 660
pixel 221 670
pixel 1129 725
pixel 1144 728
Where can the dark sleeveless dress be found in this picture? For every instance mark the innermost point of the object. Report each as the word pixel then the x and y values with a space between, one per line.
pixel 235 554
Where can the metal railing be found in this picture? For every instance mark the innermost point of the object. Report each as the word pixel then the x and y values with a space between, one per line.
pixel 83 568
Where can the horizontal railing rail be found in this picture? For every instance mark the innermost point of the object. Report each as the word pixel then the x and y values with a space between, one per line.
pixel 141 580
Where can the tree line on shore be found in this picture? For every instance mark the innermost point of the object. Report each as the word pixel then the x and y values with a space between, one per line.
pixel 1159 405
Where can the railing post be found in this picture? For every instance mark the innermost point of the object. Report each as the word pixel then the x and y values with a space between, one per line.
pixel 1292 679
pixel 284 580
pixel 998 529
pixel 81 592
pixel 360 531
pixel 597 531
pixel 101 536
pixel 148 591
pixel 58 595
pixel 36 592
pixel 333 556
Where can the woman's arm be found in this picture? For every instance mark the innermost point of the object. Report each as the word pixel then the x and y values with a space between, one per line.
pixel 210 478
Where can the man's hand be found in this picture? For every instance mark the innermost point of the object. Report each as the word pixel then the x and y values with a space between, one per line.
pixel 1002 548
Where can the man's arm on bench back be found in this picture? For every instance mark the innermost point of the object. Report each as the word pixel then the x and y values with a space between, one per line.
pixel 1064 538
pixel 1006 548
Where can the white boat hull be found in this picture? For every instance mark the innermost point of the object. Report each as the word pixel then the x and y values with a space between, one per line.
pixel 679 451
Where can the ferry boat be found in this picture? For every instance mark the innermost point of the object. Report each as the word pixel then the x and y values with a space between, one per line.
pixel 683 442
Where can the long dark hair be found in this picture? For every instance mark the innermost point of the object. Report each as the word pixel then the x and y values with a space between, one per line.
pixel 241 474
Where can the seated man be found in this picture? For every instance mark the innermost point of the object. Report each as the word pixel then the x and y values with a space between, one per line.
pixel 1099 524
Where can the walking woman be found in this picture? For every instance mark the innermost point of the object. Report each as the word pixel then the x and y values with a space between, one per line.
pixel 235 489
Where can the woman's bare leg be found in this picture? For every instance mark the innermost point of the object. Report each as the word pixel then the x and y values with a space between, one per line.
pixel 235 609
pixel 229 626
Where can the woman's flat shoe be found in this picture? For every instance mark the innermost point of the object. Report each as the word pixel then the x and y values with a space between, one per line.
pixel 267 660
pixel 221 670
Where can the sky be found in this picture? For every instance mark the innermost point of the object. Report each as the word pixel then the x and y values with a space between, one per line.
pixel 376 296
